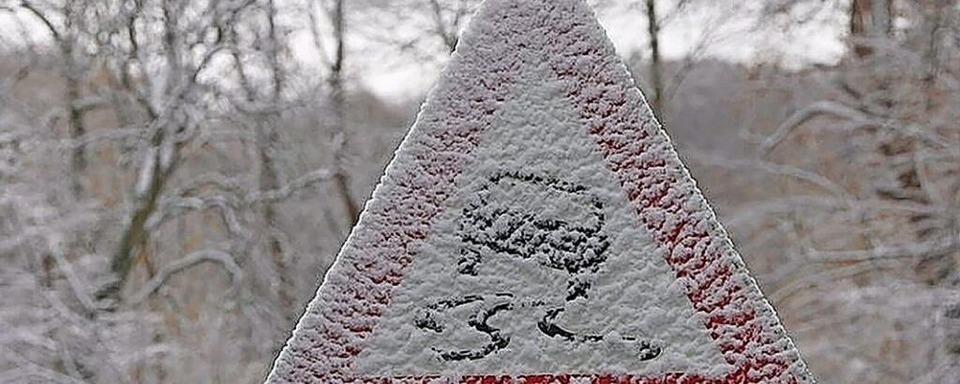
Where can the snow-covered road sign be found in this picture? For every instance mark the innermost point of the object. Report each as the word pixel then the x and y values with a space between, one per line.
pixel 536 226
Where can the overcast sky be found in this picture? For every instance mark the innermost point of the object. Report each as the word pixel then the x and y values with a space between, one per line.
pixel 818 41
pixel 397 78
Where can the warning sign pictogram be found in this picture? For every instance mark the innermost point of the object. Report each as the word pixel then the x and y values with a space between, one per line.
pixel 536 226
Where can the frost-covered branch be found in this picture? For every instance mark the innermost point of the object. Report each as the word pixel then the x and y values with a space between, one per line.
pixel 907 251
pixel 224 259
pixel 775 169
pixel 804 115
pixel 303 182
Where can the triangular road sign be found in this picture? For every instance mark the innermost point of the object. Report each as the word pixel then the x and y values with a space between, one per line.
pixel 536 226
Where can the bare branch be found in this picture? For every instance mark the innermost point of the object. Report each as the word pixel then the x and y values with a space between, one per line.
pixel 798 118
pixel 224 259
pixel 44 19
pixel 913 250
pixel 80 289
pixel 775 169
pixel 286 191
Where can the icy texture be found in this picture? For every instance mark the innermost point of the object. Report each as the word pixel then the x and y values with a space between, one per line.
pixel 495 244
pixel 537 136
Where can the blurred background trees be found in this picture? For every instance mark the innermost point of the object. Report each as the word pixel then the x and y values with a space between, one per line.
pixel 176 176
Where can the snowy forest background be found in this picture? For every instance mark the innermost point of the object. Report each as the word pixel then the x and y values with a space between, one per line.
pixel 175 176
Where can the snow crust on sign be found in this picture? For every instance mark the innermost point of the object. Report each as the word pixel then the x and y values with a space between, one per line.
pixel 496 184
pixel 540 145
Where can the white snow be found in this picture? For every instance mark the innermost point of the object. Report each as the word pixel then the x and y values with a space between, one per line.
pixel 537 221
pixel 537 133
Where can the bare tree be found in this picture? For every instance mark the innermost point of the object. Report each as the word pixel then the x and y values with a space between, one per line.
pixel 172 123
pixel 662 77
pixel 432 27
pixel 338 97
pixel 168 85
pixel 656 70
pixel 63 22
pixel 870 196
pixel 869 19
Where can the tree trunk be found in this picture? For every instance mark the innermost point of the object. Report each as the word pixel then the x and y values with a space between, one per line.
pixel 869 19
pixel 136 236
pixel 656 67
pixel 78 161
pixel 161 164
pixel 337 97
pixel 449 37
pixel 267 140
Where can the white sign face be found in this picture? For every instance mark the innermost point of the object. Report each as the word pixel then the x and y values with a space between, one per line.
pixel 536 226
pixel 538 264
